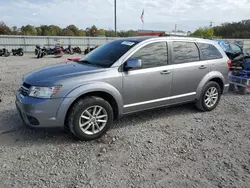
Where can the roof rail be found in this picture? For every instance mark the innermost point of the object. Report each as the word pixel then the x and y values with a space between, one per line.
pixel 172 35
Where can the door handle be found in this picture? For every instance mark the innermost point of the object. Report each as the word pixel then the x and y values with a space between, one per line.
pixel 202 67
pixel 165 72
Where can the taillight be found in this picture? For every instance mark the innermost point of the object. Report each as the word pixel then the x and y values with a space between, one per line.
pixel 229 63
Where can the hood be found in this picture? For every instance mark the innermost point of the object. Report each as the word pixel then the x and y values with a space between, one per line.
pixel 53 73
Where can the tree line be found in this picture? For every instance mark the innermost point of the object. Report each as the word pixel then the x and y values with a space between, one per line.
pixel 53 30
pixel 239 30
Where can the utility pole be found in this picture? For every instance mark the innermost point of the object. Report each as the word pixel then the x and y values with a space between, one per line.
pixel 175 29
pixel 115 17
pixel 211 24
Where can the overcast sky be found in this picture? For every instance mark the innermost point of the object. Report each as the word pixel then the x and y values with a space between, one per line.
pixel 159 14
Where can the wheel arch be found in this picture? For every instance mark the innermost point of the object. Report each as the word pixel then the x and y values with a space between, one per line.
pixel 212 76
pixel 103 90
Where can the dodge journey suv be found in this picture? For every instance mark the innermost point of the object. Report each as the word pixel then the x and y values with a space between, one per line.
pixel 121 77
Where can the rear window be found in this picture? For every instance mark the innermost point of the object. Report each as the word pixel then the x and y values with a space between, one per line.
pixel 209 51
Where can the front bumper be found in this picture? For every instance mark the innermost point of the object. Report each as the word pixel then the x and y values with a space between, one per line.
pixel 37 112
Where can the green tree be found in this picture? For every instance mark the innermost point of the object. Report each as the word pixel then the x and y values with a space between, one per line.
pixel 203 32
pixel 93 31
pixel 101 32
pixel 4 29
pixel 74 29
pixel 67 32
pixel 82 32
pixel 111 33
pixel 54 30
pixel 39 31
pixel 15 30
pixel 233 30
pixel 28 30
pixel 131 33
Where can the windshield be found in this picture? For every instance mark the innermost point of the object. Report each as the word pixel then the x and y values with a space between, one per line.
pixel 107 54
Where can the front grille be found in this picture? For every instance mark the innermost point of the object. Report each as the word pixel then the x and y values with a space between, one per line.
pixel 24 90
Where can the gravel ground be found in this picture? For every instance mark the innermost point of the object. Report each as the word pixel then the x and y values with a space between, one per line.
pixel 168 147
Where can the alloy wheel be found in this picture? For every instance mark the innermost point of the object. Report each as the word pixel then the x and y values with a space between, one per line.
pixel 93 120
pixel 211 97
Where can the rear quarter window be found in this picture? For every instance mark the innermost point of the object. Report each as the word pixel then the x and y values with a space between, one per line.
pixel 209 51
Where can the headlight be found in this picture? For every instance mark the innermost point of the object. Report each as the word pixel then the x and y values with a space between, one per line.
pixel 43 92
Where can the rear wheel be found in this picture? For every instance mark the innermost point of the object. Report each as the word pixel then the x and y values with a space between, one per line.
pixel 90 118
pixel 38 55
pixel 210 97
pixel 7 54
pixel 231 87
pixel 242 90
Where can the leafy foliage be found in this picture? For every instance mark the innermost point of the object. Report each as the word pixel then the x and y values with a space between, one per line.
pixel 234 30
pixel 4 29
pixel 53 30
pixel 203 32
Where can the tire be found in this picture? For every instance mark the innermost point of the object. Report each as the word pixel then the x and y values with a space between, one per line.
pixel 38 55
pixel 201 103
pixel 242 90
pixel 20 54
pixel 80 108
pixel 7 54
pixel 231 87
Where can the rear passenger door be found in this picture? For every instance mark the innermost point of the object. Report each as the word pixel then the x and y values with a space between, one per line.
pixel 188 70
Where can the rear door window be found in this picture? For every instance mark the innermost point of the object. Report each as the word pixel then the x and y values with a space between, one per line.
pixel 185 52
pixel 209 51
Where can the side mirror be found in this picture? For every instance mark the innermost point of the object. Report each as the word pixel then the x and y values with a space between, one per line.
pixel 133 64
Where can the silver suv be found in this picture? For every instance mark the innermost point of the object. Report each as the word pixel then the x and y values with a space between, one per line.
pixel 121 77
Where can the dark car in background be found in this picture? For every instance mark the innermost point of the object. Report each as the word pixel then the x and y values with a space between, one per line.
pixel 231 48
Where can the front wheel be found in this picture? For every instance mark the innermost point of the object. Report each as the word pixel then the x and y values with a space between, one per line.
pixel 210 97
pixel 90 118
pixel 21 54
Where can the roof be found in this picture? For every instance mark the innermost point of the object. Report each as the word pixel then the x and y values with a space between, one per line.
pixel 196 39
pixel 137 39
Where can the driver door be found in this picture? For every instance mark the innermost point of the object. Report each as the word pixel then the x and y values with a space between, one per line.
pixel 150 85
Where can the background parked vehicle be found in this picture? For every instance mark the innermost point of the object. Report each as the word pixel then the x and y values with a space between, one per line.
pixel 4 52
pixel 88 49
pixel 50 51
pixel 40 52
pixel 58 50
pixel 231 49
pixel 240 59
pixel 68 50
pixel 77 50
pixel 18 51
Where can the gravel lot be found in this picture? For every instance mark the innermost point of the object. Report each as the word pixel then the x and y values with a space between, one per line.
pixel 168 147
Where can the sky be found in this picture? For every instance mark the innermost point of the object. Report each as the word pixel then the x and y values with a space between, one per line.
pixel 158 14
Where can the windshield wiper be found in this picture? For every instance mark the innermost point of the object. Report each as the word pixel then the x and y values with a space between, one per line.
pixel 88 63
pixel 85 62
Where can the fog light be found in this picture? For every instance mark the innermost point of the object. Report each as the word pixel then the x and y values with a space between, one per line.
pixel 32 120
